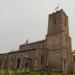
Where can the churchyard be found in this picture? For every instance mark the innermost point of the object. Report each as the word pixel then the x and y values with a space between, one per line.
pixel 18 72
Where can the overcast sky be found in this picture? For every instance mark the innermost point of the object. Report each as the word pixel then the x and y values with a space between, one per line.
pixel 20 19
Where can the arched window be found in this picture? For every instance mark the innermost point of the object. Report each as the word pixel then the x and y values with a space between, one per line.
pixel 26 64
pixel 18 63
pixel 42 59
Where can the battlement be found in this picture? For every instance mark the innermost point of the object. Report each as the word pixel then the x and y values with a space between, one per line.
pixel 58 12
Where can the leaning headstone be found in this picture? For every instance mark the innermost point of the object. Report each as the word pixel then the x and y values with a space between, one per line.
pixel 74 69
pixel 28 70
pixel 10 72
pixel 24 71
pixel 45 73
pixel 2 72
pixel 65 73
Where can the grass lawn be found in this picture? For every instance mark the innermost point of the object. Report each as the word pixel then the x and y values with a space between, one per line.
pixel 5 72
pixel 49 73
pixel 16 73
pixel 34 73
pixel 55 73
pixel 58 73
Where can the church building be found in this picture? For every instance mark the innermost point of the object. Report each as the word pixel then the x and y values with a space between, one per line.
pixel 54 53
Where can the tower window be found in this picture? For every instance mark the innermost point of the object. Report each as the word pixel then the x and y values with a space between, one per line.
pixel 65 22
pixel 54 21
pixel 74 59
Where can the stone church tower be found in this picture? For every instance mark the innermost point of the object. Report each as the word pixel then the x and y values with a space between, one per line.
pixel 53 53
pixel 59 42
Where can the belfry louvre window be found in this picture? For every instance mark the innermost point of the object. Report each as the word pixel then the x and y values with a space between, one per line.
pixel 65 22
pixel 54 21
pixel 74 59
